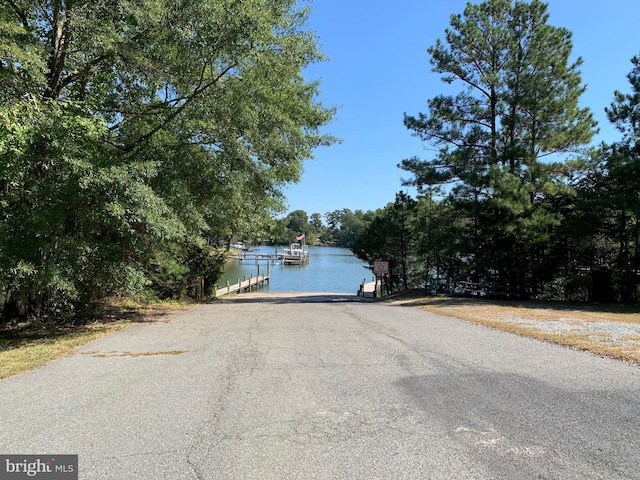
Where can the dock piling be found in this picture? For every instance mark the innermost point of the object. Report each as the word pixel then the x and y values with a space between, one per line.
pixel 254 282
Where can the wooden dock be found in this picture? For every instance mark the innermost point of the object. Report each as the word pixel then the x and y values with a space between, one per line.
pixel 295 260
pixel 257 257
pixel 283 258
pixel 246 285
pixel 371 289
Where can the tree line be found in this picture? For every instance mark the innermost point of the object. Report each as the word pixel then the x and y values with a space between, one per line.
pixel 135 135
pixel 514 202
pixel 339 228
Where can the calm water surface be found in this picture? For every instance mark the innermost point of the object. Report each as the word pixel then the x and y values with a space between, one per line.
pixel 330 269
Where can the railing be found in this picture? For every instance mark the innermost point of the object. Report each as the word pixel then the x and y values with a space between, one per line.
pixel 245 284
pixel 371 289
pixel 257 257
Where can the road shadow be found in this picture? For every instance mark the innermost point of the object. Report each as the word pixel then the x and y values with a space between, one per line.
pixel 18 333
pixel 293 297
pixel 524 427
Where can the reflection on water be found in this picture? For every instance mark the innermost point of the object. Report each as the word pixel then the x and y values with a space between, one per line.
pixel 330 269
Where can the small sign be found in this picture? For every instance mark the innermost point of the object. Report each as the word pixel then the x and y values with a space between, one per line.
pixel 381 267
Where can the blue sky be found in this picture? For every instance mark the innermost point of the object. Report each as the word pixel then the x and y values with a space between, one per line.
pixel 378 69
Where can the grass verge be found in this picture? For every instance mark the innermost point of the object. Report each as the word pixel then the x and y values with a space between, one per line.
pixel 533 318
pixel 26 346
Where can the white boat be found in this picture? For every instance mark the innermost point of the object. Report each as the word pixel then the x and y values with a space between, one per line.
pixel 296 254
pixel 239 246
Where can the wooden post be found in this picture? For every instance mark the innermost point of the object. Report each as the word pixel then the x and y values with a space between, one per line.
pixel 199 288
pixel 228 287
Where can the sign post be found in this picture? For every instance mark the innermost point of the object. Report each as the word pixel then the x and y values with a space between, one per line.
pixel 380 270
pixel 381 267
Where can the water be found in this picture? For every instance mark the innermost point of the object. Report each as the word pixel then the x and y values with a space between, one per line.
pixel 330 269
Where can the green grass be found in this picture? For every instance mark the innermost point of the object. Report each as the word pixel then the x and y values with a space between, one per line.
pixel 26 346
pixel 21 352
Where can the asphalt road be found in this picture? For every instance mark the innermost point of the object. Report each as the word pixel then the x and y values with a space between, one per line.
pixel 326 387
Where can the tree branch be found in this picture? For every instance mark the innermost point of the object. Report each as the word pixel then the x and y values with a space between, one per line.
pixel 20 13
pixel 188 100
pixel 69 79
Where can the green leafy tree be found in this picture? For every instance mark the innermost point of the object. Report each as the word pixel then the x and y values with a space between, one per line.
pixel 518 104
pixel 439 231
pixel 298 221
pixel 316 221
pixel 278 233
pixel 133 132
pixel 390 236
pixel 345 225
pixel 289 228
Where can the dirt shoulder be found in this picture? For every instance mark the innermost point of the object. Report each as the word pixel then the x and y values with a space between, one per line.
pixel 610 330
pixel 29 345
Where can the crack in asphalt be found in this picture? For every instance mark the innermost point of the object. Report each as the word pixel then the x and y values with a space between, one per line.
pixel 242 363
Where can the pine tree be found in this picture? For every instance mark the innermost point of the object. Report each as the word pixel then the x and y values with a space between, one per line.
pixel 609 201
pixel 390 236
pixel 518 104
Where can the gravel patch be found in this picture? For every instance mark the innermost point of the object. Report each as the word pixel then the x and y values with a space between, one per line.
pixel 614 333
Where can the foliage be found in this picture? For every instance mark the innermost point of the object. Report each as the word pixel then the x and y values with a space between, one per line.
pixel 134 131
pixel 289 228
pixel 518 103
pixel 439 243
pixel 390 236
pixel 576 237
pixel 511 202
pixel 345 226
pixel 342 229
pixel 605 230
pixel 173 273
